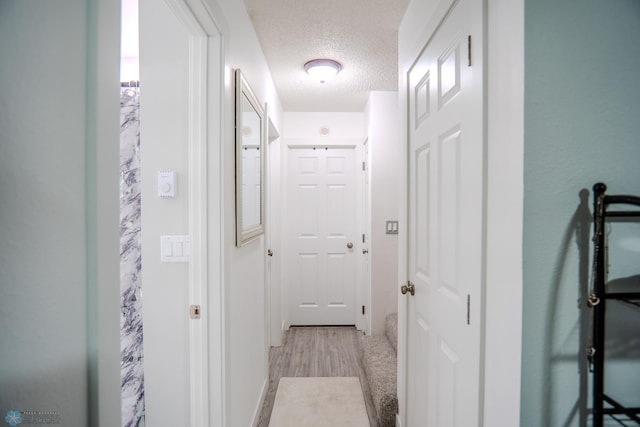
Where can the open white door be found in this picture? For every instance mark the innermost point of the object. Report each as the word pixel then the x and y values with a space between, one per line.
pixel 446 220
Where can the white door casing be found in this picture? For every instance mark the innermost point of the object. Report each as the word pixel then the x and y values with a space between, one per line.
pixel 200 57
pixel 273 299
pixel 446 220
pixel 321 212
pixel 365 227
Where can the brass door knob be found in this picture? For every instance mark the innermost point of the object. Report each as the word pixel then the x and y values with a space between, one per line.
pixel 350 245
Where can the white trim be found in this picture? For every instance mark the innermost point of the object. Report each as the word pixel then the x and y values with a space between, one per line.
pixel 266 220
pixel 505 154
pixel 216 206
pixel 297 146
pixel 210 402
pixel 206 97
pixel 364 289
pixel 322 142
pixel 209 16
pixel 273 315
pixel 198 273
pixel 258 409
pixel 197 166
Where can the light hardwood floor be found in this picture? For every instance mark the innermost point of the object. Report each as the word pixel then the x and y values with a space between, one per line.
pixel 316 352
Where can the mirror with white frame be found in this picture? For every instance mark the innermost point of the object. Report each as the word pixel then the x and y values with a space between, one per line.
pixel 250 137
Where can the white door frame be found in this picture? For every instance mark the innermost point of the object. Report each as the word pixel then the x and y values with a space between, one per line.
pixel 504 59
pixel 363 292
pixel 273 306
pixel 206 267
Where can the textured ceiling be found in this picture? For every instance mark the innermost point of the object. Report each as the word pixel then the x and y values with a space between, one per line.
pixel 360 34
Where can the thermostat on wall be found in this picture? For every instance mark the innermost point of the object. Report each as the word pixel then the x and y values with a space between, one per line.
pixel 166 184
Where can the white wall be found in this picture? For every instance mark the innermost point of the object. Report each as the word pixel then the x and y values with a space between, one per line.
pixel 246 340
pixel 164 101
pixel 386 171
pixel 306 126
pixel 238 302
pixel 59 249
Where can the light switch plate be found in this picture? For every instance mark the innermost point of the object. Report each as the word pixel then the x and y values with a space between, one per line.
pixel 175 248
pixel 392 227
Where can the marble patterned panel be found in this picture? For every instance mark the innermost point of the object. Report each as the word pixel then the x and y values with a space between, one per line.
pixel 131 337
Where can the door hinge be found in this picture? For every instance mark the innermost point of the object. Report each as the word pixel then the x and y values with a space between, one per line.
pixel 364 166
pixel 469 47
pixel 468 309
pixel 363 310
pixel 363 238
pixel 194 311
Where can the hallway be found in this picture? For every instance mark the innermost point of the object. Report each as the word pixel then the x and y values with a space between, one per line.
pixel 316 352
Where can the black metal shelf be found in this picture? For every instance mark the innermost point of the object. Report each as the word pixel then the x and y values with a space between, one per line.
pixel 603 404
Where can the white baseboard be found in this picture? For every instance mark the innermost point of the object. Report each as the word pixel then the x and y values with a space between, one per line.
pixel 258 410
pixel 398 421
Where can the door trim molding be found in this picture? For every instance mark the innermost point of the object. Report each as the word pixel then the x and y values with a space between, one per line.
pixel 206 89
pixel 298 146
pixel 198 228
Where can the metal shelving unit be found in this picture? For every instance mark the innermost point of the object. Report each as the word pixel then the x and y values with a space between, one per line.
pixel 606 207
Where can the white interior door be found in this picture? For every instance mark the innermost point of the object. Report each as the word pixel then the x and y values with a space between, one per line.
pixel 446 216
pixel 321 219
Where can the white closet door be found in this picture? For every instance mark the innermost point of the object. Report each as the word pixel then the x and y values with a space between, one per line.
pixel 446 217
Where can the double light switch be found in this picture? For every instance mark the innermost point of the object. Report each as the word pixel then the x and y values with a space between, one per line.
pixel 175 248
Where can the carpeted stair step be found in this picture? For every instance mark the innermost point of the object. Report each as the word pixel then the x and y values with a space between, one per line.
pixel 379 360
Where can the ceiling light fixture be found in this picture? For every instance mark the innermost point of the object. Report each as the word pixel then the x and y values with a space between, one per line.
pixel 322 69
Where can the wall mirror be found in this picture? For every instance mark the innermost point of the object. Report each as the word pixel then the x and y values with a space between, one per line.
pixel 250 136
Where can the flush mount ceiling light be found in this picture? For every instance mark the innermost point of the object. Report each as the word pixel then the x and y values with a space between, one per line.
pixel 322 69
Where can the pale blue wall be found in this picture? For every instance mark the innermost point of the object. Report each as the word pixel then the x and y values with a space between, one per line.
pixel 582 125
pixel 51 204
pixel 43 293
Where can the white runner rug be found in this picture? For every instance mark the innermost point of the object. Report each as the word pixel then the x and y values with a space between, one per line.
pixel 319 402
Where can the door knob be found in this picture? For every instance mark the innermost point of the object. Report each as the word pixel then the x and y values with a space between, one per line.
pixel 409 287
pixel 349 245
pixel 365 251
pixel 269 252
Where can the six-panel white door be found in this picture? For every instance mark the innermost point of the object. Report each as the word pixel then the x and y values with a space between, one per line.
pixel 321 220
pixel 446 216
